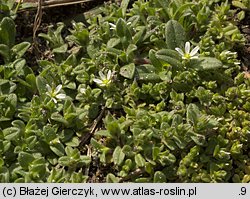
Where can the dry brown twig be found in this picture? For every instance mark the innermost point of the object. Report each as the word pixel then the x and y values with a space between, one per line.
pixel 55 3
pixel 86 137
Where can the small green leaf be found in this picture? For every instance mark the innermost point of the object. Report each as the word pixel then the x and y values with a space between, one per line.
pixel 59 118
pixel 182 171
pixel 122 29
pixel 103 133
pixel 216 150
pixel 149 168
pixel 175 34
pixel 124 6
pixel 41 85
pixel 169 159
pixel 80 35
pixel 239 4
pixel 19 65
pixel 11 133
pixel 7 32
pixel 111 178
pixel 130 52
pixel 199 139
pixel 19 49
pixel 139 160
pixel 241 15
pixel 128 150
pixel 114 128
pixel 236 178
pixel 147 73
pixel 156 151
pixel 32 141
pixel 172 61
pixel 73 153
pixel 159 177
pixel 170 53
pixel 74 142
pixel 6 86
pixel 180 142
pixel 58 149
pixel 139 36
pixel 113 42
pixel 236 148
pixel 4 174
pixel 193 113
pixel 19 124
pixel 24 5
pixel 128 71
pixel 155 61
pixel 86 160
pixel 31 80
pixel 49 133
pixel 61 49
pixel 118 155
pixel 96 144
pixel 5 52
pixel 25 159
pixel 206 63
pixel 143 180
pixel 246 179
pixel 38 168
pixel 1 163
pixel 181 10
pixel 64 161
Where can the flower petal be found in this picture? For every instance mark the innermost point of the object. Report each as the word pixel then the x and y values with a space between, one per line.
pixel 187 47
pixel 194 57
pixel 102 76
pixel 54 99
pixel 98 81
pixel 109 75
pixel 58 88
pixel 48 88
pixel 179 51
pixel 194 51
pixel 61 96
pixel 113 26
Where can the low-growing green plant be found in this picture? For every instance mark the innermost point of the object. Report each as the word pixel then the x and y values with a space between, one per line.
pixel 10 51
pixel 243 4
pixel 9 8
pixel 150 91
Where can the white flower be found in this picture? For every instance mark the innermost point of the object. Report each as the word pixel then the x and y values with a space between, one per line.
pixel 55 93
pixel 187 54
pixel 104 80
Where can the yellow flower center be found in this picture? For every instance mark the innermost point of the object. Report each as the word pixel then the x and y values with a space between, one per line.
pixel 187 56
pixel 106 81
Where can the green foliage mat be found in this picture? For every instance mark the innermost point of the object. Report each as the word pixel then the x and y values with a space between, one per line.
pixel 146 91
